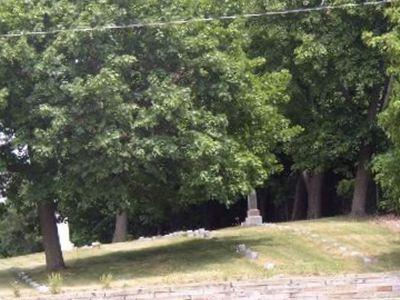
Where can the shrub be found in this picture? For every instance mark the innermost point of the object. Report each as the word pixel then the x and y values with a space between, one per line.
pixel 55 282
pixel 106 280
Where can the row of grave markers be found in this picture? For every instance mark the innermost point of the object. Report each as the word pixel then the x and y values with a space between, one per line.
pixel 253 219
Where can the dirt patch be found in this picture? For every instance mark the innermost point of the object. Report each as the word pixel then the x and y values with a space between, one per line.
pixel 389 221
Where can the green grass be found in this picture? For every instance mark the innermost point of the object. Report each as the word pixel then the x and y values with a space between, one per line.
pixel 187 260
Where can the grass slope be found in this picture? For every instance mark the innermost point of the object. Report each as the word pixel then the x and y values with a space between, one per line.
pixel 186 260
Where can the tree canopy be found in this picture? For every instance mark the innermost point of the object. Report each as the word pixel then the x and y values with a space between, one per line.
pixel 140 120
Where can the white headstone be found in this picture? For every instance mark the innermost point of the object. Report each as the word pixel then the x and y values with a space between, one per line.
pixel 63 234
pixel 269 266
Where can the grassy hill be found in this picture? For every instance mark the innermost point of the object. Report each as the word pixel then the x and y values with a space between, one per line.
pixel 327 246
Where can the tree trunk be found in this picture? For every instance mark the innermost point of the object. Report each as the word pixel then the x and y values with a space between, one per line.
pixel 358 206
pixel 300 200
pixel 314 184
pixel 51 241
pixel 121 227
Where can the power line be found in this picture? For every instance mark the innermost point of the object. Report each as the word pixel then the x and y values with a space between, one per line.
pixel 198 20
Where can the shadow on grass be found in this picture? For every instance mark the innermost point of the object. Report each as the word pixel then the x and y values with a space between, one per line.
pixel 180 257
pixel 388 261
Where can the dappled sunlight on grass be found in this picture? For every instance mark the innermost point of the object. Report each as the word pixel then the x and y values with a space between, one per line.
pixel 188 260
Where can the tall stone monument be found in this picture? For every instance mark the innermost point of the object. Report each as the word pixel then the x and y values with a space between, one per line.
pixel 253 214
pixel 63 235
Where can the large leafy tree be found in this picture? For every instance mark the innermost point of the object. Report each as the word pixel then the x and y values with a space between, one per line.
pixel 337 85
pixel 32 181
pixel 386 166
pixel 111 119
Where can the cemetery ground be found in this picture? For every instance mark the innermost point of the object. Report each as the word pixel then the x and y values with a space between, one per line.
pixel 306 248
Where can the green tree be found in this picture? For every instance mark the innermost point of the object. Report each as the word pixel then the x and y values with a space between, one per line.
pixel 386 166
pixel 19 232
pixel 111 119
pixel 337 84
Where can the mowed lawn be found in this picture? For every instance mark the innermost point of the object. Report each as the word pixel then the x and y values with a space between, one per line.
pixel 189 260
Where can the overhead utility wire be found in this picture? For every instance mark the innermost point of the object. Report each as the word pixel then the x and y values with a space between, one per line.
pixel 197 20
